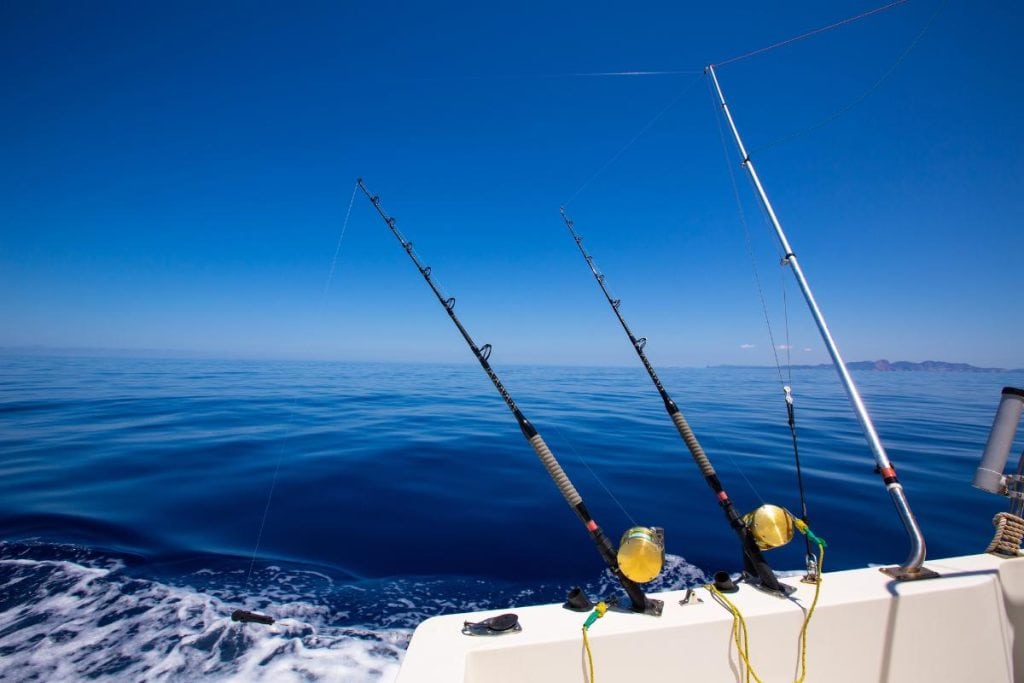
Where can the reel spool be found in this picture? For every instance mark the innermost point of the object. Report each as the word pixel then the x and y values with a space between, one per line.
pixel 770 525
pixel 642 553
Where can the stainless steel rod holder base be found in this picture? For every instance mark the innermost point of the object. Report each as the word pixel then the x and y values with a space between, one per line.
pixel 785 590
pixel 901 574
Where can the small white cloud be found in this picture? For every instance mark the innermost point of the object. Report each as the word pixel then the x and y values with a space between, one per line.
pixel 784 347
pixel 807 348
pixel 746 346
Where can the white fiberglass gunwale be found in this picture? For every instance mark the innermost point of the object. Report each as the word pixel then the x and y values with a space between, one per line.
pixel 866 627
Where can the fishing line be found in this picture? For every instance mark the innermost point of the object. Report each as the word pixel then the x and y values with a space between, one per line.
pixel 746 235
pixel 870 91
pixel 785 317
pixel 639 602
pixel 579 456
pixel 786 387
pixel 647 126
pixel 570 74
pixel 732 60
pixel 755 566
pixel 635 73
pixel 716 446
pixel 270 497
pixel 337 249
pixel 802 36
pixel 291 408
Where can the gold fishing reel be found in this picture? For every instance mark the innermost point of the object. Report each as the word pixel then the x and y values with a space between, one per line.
pixel 642 553
pixel 770 525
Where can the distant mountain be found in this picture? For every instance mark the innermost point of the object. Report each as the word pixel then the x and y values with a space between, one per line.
pixel 926 366
pixel 898 366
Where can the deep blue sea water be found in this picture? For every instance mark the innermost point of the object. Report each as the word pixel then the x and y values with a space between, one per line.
pixel 143 500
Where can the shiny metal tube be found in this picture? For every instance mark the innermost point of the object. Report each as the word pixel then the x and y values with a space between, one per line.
pixel 917 545
pixel 989 475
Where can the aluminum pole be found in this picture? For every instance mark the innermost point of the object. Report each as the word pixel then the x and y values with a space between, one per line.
pixel 911 568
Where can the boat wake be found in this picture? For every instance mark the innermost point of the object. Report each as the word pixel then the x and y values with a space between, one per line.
pixel 68 612
pixel 78 615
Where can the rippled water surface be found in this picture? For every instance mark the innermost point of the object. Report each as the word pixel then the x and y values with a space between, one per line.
pixel 141 501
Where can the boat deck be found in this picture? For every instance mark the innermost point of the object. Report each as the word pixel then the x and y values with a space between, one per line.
pixel 866 627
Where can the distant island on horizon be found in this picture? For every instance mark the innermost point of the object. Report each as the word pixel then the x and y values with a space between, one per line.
pixel 882 365
pixel 893 366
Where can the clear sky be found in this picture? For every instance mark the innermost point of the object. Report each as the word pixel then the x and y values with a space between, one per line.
pixel 176 175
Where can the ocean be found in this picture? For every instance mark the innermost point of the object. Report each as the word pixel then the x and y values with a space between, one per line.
pixel 143 500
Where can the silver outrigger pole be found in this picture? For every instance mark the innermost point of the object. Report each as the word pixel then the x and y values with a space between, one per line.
pixel 911 568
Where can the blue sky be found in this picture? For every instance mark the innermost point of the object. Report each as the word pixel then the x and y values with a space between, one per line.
pixel 176 177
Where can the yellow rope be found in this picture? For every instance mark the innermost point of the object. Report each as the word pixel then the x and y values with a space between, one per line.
pixel 590 657
pixel 810 612
pixel 739 625
pixel 598 612
pixel 739 631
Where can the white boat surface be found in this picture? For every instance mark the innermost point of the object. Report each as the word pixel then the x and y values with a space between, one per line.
pixel 965 625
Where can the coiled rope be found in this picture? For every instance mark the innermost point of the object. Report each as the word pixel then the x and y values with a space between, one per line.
pixel 1008 536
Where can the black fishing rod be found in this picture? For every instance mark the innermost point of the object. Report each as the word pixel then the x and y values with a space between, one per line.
pixel 755 565
pixel 639 601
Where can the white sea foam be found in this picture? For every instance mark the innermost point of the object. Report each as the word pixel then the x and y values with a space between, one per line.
pixel 76 622
pixel 85 616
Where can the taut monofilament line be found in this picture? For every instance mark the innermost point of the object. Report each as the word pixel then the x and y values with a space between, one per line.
pixel 639 601
pixel 755 565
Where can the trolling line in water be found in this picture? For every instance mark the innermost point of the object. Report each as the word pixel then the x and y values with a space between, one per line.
pixel 754 563
pixel 284 439
pixel 639 601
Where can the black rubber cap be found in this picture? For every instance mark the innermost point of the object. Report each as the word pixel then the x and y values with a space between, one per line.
pixel 724 583
pixel 577 601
